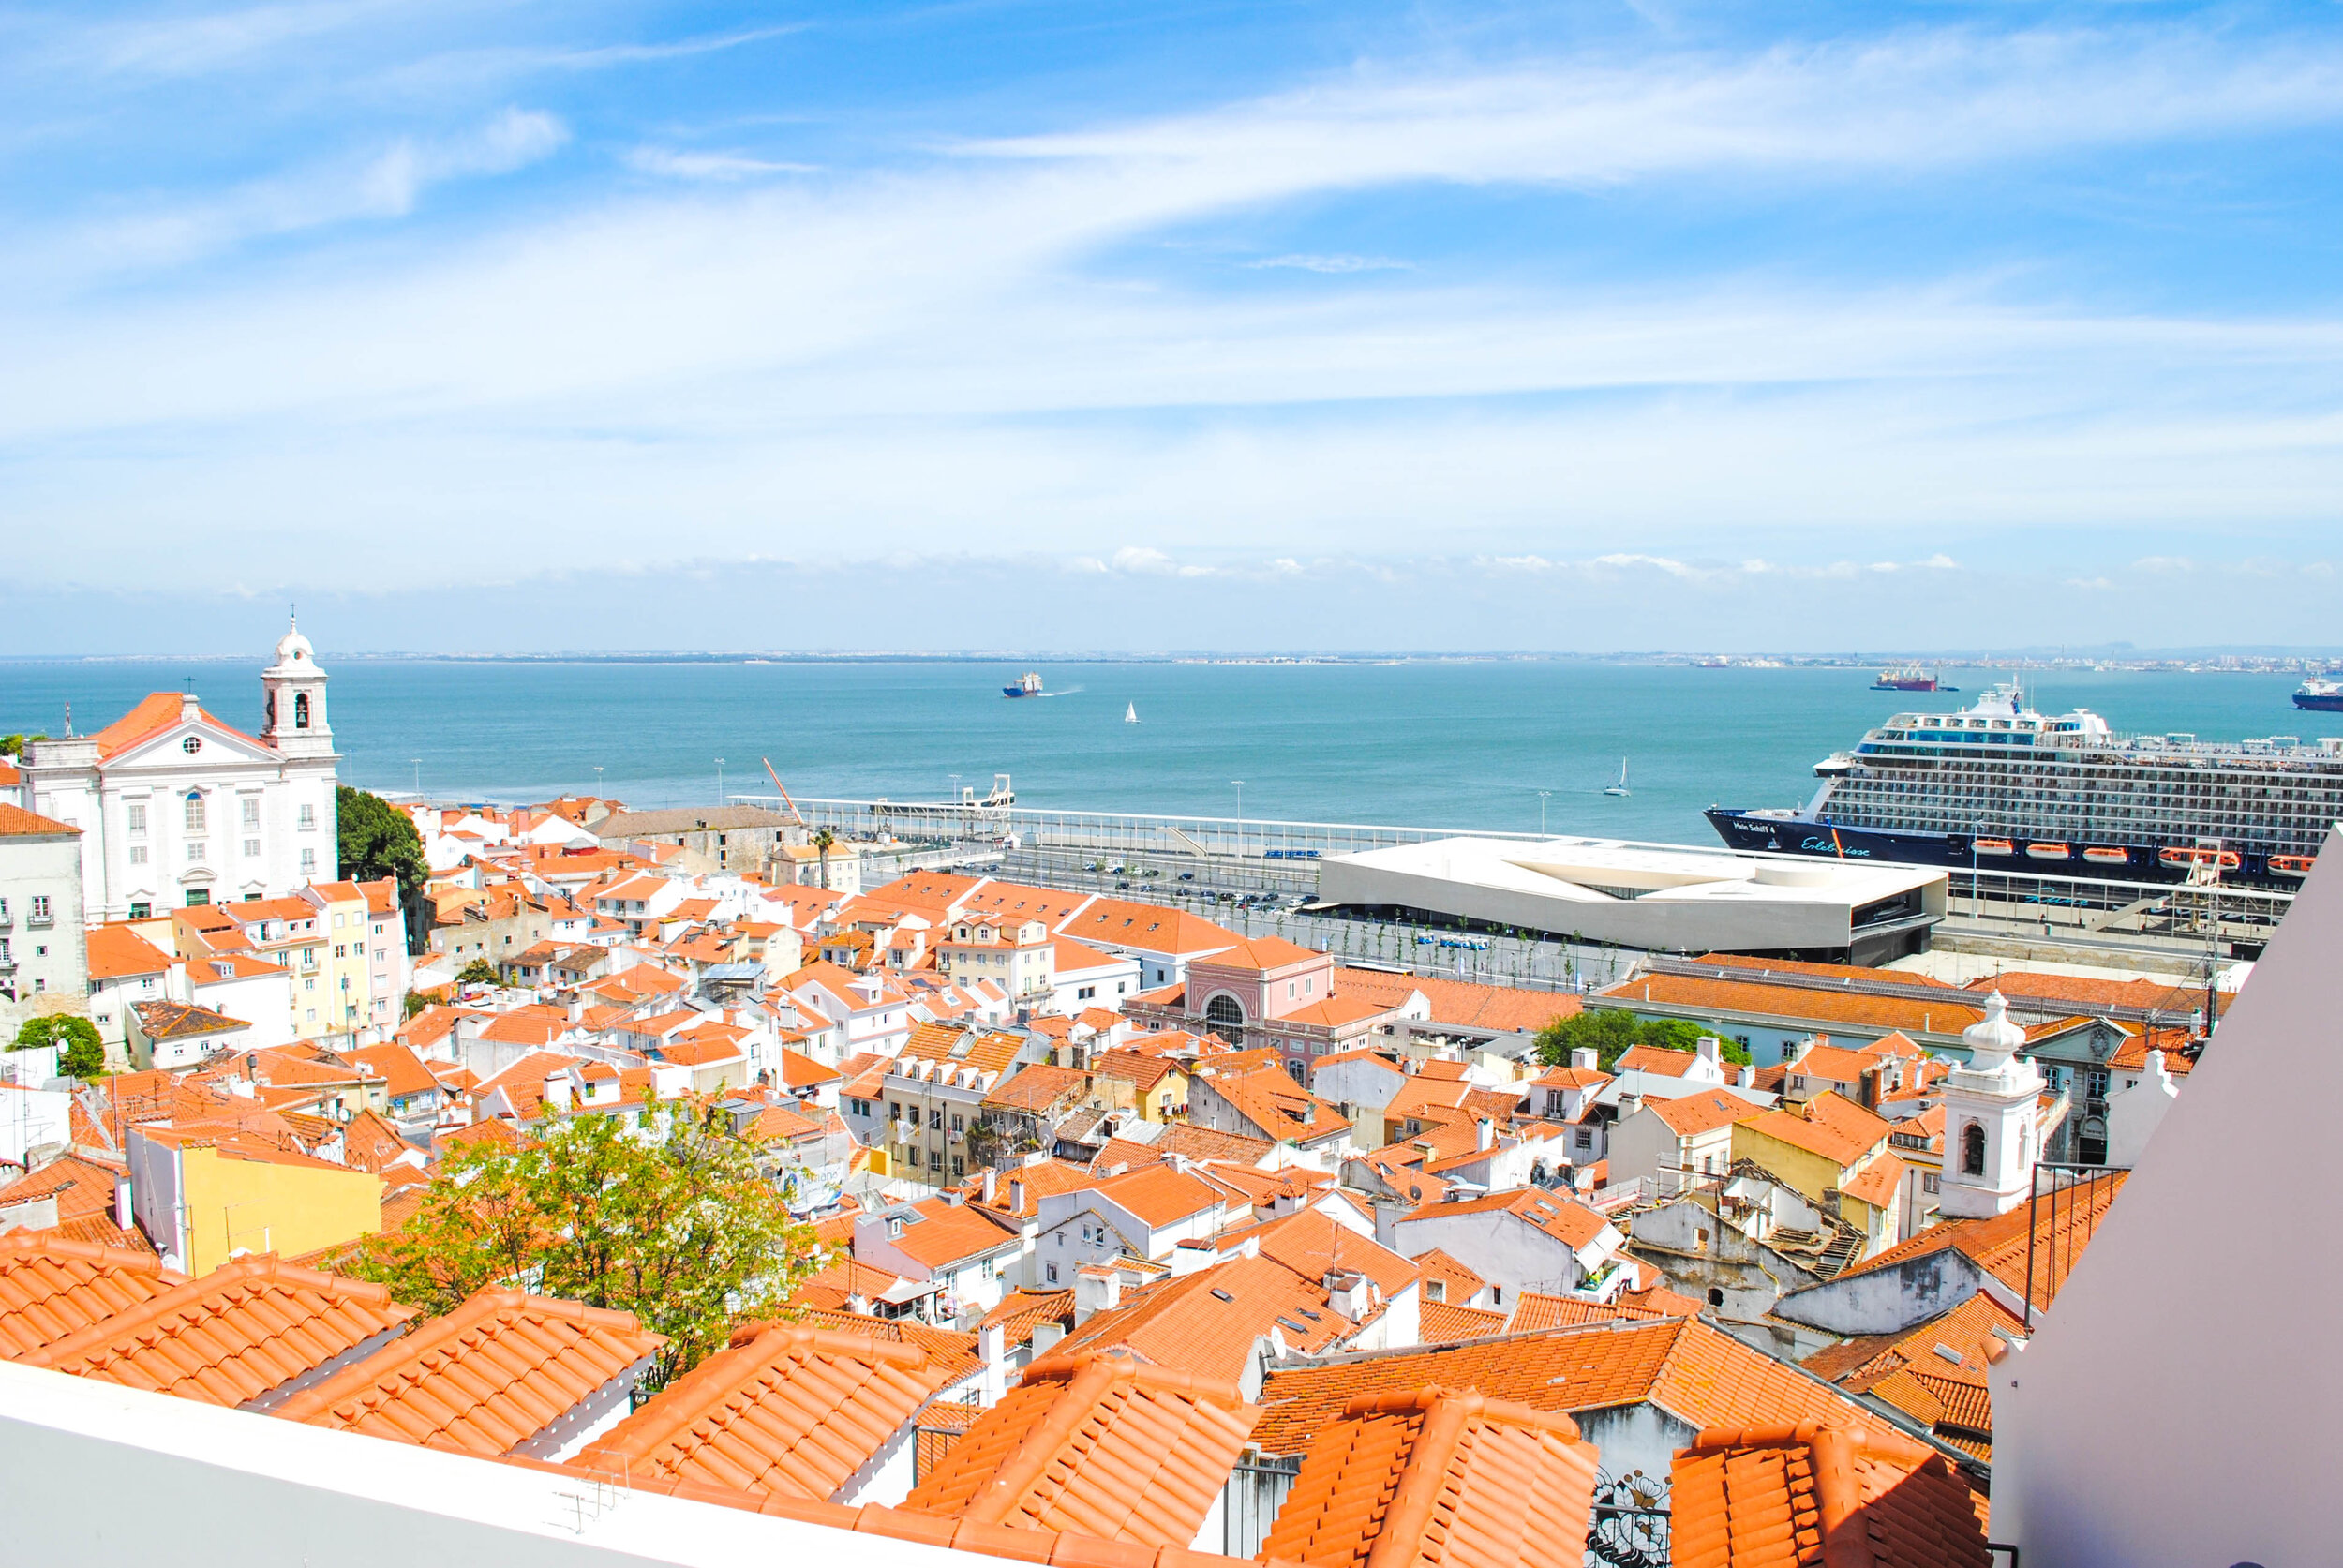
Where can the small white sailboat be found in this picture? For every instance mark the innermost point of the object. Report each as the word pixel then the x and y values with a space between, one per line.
pixel 1130 713
pixel 1620 788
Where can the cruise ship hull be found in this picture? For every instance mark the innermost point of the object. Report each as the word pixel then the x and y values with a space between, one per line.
pixel 2319 704
pixel 1819 836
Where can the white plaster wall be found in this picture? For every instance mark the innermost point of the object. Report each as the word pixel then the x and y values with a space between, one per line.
pixel 219 1488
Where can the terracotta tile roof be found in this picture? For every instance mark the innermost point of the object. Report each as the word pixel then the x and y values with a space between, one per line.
pixel 1113 922
pixel 952 1353
pixel 1918 1369
pixel 1159 1195
pixel 1261 952
pixel 1095 1444
pixel 1691 1115
pixel 1816 1004
pixel 944 1233
pixel 2060 1230
pixel 1196 1142
pixel 1536 1309
pixel 230 1338
pixel 155 713
pixel 785 1411
pixel 1815 1135
pixel 82 1187
pixel 1440 1479
pixel 1876 1181
pixel 1312 1244
pixel 1278 1106
pixel 117 951
pixel 1132 1068
pixel 172 1020
pixel 1565 1219
pixel 401 1070
pixel 1438 1264
pixel 1206 1322
pixel 1780 1496
pixel 53 1288
pixel 1022 1311
pixel 800 1072
pixel 1461 1003
pixel 1701 1375
pixel 1037 1087
pixel 1445 1324
pixel 486 1379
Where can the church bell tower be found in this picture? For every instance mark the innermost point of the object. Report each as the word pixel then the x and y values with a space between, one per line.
pixel 292 693
pixel 1991 1105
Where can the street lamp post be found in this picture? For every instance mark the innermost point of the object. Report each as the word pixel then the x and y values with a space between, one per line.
pixel 1541 795
pixel 720 780
pixel 597 780
pixel 1240 817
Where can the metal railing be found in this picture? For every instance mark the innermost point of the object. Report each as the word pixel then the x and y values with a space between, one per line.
pixel 2051 1248
pixel 1631 1524
pixel 1256 1490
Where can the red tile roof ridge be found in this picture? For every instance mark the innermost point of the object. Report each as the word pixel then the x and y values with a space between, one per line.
pixel 1833 1493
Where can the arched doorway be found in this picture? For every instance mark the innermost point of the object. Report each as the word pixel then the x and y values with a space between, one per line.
pixel 1224 1016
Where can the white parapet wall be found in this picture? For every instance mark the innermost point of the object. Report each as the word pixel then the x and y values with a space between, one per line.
pixel 99 1476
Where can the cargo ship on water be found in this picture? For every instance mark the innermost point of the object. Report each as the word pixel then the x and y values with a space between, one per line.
pixel 1028 686
pixel 2319 696
pixel 1911 678
pixel 2000 786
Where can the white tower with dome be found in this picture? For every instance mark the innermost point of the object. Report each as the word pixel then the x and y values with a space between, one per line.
pixel 293 700
pixel 1992 1140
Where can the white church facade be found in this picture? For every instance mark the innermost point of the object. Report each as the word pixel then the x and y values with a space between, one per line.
pixel 177 808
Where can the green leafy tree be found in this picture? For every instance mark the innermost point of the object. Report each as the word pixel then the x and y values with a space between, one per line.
pixel 83 1053
pixel 378 840
pixel 677 1229
pixel 479 972
pixel 1610 1031
pixel 823 841
pixel 13 745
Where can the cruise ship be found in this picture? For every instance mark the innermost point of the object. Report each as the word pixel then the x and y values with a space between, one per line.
pixel 2000 786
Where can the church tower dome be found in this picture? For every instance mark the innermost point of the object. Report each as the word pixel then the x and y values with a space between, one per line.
pixel 1992 1105
pixel 293 700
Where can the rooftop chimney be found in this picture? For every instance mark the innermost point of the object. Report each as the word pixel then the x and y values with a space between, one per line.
pixel 991 1185
pixel 1583 1058
pixel 1193 1257
pixel 1347 1292
pixel 1629 1105
pixel 1710 1048
pixel 1045 1337
pixel 1095 1291
pixel 1483 1135
pixel 558 1090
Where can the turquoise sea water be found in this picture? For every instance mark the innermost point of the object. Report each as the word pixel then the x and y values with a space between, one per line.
pixel 1443 744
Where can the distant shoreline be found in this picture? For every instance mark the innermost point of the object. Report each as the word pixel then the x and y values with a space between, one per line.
pixel 2199 661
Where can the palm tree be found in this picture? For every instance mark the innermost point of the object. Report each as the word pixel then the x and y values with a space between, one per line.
pixel 822 842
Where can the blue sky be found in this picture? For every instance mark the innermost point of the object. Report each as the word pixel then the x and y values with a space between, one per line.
pixel 1052 326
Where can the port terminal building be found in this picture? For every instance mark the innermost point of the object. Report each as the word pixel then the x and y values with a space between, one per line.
pixel 1662 897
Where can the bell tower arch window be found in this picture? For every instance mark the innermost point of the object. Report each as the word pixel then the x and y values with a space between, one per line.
pixel 301 710
pixel 1973 1149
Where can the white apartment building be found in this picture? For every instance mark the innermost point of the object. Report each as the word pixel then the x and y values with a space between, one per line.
pixel 176 807
pixel 44 951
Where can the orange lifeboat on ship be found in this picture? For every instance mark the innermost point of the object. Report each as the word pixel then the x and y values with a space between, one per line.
pixel 2291 865
pixel 1995 846
pixel 2107 855
pixel 2052 851
pixel 2184 858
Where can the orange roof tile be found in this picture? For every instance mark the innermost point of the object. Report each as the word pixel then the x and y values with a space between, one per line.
pixel 1098 1445
pixel 784 1411
pixel 52 1288
pixel 1565 1219
pixel 1816 1004
pixel 486 1379
pixel 1160 1194
pixel 230 1338
pixel 943 1234
pixel 1691 1115
pixel 1792 1496
pixel 1037 1087
pixel 1444 1323
pixel 117 951
pixel 1699 1374
pixel 1261 952
pixel 953 1354
pixel 1443 1480
pixel 2059 1229
pixel 1462 1003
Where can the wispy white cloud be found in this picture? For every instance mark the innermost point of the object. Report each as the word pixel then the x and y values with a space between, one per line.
pixel 1333 263
pixel 198 44
pixel 383 183
pixel 725 167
